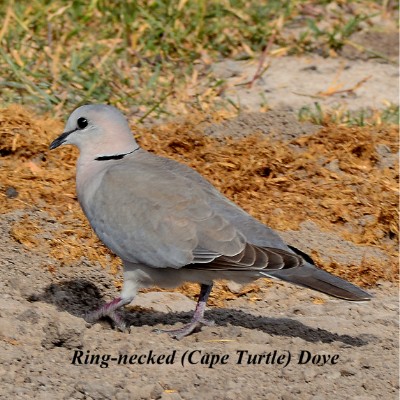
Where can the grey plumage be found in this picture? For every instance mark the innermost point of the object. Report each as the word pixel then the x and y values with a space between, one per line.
pixel 169 225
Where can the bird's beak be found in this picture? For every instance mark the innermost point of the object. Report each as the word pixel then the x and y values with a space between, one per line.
pixel 60 140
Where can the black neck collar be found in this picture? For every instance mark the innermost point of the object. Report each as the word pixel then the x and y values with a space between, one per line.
pixel 114 156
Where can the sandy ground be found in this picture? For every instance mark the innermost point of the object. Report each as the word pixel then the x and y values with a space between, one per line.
pixel 337 349
pixel 280 343
pixel 353 81
pixel 330 82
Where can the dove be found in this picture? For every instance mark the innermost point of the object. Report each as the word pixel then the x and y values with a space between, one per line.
pixel 169 225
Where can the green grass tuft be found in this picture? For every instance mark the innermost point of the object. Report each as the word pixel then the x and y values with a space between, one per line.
pixel 143 55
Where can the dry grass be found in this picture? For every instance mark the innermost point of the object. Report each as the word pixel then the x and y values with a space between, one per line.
pixel 154 56
pixel 273 181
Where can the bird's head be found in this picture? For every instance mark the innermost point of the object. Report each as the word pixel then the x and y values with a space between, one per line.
pixel 97 130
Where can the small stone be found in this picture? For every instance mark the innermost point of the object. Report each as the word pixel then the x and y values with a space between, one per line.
pixel 11 193
pixel 348 371
pixel 97 327
pixel 333 375
pixel 365 362
pixel 368 219
pixel 234 287
pixel 67 333
pixel 96 389
pixel 288 396
pixel 29 316
pixel 157 391
pixel 309 375
pixel 334 166
pixel 144 392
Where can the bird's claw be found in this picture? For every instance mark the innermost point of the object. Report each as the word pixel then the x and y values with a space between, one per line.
pixel 118 320
pixel 186 329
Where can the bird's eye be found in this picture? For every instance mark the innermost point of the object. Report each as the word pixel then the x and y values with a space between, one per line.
pixel 82 123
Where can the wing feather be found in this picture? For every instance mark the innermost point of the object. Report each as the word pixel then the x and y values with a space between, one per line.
pixel 147 214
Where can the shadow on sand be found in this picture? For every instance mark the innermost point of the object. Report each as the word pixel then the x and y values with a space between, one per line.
pixel 80 296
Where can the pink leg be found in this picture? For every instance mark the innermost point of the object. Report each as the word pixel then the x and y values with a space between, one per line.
pixel 198 317
pixel 110 310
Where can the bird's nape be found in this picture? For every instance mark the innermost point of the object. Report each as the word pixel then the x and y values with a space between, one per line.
pixel 170 225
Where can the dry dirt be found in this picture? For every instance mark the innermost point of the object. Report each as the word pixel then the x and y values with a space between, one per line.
pixel 346 82
pixel 331 192
pixel 42 330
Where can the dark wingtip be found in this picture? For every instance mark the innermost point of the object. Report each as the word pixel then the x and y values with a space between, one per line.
pixel 361 295
pixel 302 254
pixel 314 278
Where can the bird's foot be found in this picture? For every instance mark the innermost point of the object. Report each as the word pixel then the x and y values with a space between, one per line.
pixel 198 319
pixel 186 330
pixel 109 310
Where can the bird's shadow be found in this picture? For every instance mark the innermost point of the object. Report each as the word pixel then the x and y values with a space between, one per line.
pixel 80 296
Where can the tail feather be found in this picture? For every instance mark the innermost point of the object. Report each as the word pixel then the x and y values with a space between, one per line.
pixel 314 278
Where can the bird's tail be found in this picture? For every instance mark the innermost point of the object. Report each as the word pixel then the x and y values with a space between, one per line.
pixel 314 278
